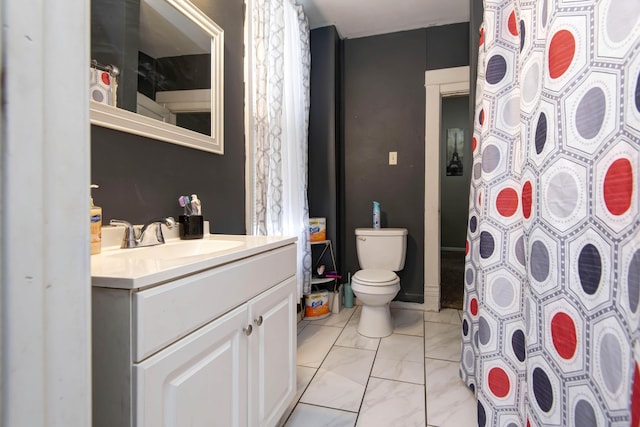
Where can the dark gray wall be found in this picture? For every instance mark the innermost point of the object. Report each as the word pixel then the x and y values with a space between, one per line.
pixel 448 46
pixel 477 11
pixel 384 109
pixel 454 190
pixel 114 40
pixel 384 103
pixel 324 132
pixel 141 178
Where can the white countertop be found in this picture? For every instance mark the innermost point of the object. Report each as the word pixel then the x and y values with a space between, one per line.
pixel 142 267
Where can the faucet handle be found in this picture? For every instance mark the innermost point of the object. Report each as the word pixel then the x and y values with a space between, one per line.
pixel 129 239
pixel 134 238
pixel 169 222
pixel 120 222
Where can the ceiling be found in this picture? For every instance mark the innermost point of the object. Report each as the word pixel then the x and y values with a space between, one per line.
pixel 361 18
pixel 166 32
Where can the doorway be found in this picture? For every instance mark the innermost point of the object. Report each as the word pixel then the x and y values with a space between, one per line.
pixel 438 83
pixel 455 168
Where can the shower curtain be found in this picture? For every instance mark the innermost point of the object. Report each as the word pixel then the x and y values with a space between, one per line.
pixel 552 274
pixel 281 115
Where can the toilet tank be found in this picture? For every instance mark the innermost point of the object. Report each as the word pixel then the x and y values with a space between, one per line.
pixel 382 248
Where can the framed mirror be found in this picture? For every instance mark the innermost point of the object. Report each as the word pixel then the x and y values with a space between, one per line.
pixel 165 60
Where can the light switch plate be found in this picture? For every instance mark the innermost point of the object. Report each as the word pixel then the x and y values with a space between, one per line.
pixel 393 157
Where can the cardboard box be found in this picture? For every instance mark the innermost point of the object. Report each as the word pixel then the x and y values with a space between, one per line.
pixel 317 229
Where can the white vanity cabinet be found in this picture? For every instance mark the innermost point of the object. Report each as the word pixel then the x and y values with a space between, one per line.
pixel 200 381
pixel 216 348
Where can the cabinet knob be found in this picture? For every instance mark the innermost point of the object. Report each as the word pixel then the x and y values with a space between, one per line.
pixel 247 331
pixel 258 321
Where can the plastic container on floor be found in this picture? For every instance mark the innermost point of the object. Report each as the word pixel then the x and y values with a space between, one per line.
pixel 316 305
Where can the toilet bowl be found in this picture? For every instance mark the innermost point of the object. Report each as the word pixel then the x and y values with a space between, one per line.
pixel 381 252
pixel 375 288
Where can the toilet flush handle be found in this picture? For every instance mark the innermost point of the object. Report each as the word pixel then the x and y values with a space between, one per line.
pixel 362 238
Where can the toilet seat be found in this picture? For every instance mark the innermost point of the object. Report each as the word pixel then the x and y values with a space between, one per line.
pixel 375 277
pixel 374 280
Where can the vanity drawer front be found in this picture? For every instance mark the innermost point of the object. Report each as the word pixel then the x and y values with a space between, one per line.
pixel 165 313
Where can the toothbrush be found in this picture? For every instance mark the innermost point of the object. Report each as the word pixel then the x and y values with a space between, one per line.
pixel 187 203
pixel 195 204
pixel 183 201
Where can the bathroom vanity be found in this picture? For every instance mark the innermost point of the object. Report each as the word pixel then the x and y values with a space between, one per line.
pixel 194 333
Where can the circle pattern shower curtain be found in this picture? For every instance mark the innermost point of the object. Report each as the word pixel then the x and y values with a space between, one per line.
pixel 552 283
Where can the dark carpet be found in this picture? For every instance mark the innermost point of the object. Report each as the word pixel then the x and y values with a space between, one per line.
pixel 452 279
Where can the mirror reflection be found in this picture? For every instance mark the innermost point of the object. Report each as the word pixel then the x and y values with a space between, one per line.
pixel 164 61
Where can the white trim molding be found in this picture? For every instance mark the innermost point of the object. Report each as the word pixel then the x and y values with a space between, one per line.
pixel 438 84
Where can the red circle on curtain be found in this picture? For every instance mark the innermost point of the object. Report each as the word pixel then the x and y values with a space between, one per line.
pixel 561 52
pixel 513 24
pixel 507 202
pixel 618 186
pixel 473 306
pixel 527 192
pixel 474 143
pixel 563 333
pixel 635 397
pixel 481 37
pixel 105 78
pixel 466 248
pixel 499 383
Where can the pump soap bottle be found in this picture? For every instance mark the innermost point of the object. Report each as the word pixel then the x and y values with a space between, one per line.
pixel 95 218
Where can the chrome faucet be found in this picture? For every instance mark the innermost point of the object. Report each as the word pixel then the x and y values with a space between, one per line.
pixel 137 238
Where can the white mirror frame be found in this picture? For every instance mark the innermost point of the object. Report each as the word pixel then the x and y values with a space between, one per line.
pixel 128 121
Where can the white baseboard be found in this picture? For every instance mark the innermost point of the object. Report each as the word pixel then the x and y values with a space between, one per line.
pixel 432 298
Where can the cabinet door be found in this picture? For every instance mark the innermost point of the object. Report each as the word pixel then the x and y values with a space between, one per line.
pixel 199 381
pixel 272 354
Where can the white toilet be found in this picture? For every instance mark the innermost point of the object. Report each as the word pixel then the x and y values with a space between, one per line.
pixel 381 252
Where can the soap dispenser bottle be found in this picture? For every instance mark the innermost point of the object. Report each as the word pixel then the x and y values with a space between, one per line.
pixel 95 218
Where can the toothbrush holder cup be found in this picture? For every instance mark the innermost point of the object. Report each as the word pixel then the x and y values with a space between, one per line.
pixel 191 226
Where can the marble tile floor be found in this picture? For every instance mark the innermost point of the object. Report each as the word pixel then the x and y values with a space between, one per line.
pixel 409 378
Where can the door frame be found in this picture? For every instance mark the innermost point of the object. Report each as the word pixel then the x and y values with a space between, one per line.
pixel 45 276
pixel 438 84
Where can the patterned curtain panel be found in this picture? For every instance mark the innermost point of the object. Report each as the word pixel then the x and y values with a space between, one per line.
pixel 281 115
pixel 552 284
pixel 103 85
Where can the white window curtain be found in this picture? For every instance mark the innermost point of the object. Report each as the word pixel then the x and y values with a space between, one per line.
pixel 281 59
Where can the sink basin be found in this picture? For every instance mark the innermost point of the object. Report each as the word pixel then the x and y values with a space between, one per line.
pixel 142 267
pixel 177 249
